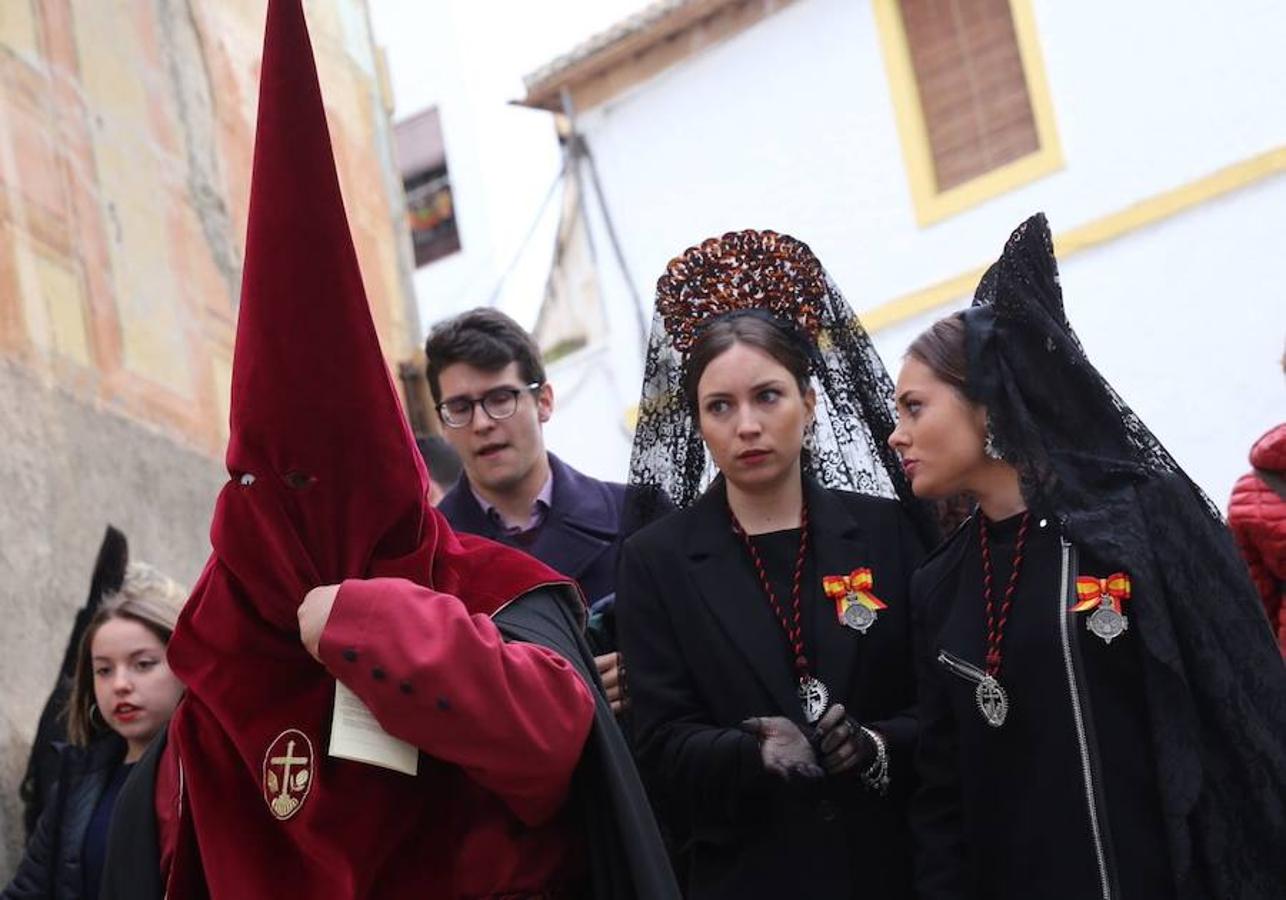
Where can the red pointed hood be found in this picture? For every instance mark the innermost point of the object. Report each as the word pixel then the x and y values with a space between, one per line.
pixel 325 484
pixel 318 439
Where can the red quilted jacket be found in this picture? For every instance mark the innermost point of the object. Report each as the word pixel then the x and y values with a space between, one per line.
pixel 1258 519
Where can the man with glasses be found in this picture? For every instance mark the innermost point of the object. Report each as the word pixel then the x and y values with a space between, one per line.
pixel 488 382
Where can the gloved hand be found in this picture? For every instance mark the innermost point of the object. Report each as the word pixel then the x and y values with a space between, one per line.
pixel 785 750
pixel 841 743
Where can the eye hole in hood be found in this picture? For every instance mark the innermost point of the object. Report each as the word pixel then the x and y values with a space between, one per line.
pixel 299 481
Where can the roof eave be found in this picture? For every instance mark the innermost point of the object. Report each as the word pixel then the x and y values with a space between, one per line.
pixel 545 87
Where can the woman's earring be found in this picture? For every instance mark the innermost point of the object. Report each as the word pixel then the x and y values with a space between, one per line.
pixel 989 447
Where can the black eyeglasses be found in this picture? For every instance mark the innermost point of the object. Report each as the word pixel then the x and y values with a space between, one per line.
pixel 497 403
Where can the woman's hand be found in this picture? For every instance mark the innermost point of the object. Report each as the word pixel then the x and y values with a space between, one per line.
pixel 841 742
pixel 784 749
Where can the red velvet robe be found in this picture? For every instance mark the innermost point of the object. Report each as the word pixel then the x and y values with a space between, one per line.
pixel 326 486
pixel 511 718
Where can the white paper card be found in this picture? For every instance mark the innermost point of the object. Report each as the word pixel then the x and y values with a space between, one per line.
pixel 355 735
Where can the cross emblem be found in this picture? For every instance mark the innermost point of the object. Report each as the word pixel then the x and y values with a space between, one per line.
pixel 288 760
pixel 814 697
pixel 992 701
pixel 286 788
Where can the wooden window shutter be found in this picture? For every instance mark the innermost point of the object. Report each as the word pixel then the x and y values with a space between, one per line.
pixel 973 91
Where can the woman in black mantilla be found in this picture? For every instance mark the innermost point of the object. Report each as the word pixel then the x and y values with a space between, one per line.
pixel 765 625
pixel 1103 710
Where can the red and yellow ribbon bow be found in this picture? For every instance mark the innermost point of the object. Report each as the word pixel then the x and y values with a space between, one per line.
pixel 855 587
pixel 1092 591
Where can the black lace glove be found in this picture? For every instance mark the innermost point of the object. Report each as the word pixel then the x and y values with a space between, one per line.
pixel 785 750
pixel 841 743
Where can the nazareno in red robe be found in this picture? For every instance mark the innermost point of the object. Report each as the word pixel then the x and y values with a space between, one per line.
pixel 326 485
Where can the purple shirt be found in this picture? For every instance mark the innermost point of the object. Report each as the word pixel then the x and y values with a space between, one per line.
pixel 539 509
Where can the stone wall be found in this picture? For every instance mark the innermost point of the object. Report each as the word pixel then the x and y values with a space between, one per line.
pixel 126 140
pixel 68 470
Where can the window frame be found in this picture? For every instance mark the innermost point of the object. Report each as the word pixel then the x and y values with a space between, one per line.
pixel 932 205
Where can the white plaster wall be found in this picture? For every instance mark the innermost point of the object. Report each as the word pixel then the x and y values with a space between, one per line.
pixel 588 427
pixel 468 57
pixel 449 54
pixel 790 125
pixel 1187 320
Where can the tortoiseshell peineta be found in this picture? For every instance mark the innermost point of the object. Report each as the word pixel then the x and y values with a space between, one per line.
pixel 741 270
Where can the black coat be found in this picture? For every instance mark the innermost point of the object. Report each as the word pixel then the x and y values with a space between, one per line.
pixel 51 868
pixel 704 652
pixel 1005 812
pixel 580 536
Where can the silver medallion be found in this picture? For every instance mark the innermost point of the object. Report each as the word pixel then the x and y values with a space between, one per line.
pixel 1107 623
pixel 814 697
pixel 993 703
pixel 859 617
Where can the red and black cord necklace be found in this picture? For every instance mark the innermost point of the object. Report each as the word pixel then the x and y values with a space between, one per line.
pixel 993 702
pixel 813 694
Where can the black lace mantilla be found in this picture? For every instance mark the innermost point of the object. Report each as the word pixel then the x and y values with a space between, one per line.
pixel 847 446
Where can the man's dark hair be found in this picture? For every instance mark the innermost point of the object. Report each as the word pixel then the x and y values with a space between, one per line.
pixel 443 462
pixel 486 339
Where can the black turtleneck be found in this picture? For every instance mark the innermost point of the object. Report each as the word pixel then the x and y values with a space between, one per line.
pixel 779 552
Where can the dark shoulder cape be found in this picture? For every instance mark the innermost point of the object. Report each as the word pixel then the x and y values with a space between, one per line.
pixel 626 855
pixel 1216 690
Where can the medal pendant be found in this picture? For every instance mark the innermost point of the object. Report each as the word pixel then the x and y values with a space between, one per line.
pixel 814 697
pixel 1108 624
pixel 993 703
pixel 859 617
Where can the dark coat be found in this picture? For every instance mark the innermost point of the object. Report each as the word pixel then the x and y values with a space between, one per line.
pixel 51 868
pixel 581 534
pixel 704 652
pixel 1004 812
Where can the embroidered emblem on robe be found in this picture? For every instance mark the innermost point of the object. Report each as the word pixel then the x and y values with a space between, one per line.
pixel 288 773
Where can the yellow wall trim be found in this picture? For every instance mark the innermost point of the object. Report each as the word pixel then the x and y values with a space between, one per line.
pixel 1136 216
pixel 930 204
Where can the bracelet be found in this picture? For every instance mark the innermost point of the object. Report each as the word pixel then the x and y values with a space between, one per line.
pixel 876 776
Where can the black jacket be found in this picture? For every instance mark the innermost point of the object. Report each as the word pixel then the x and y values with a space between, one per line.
pixel 626 857
pixel 51 867
pixel 1006 812
pixel 704 652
